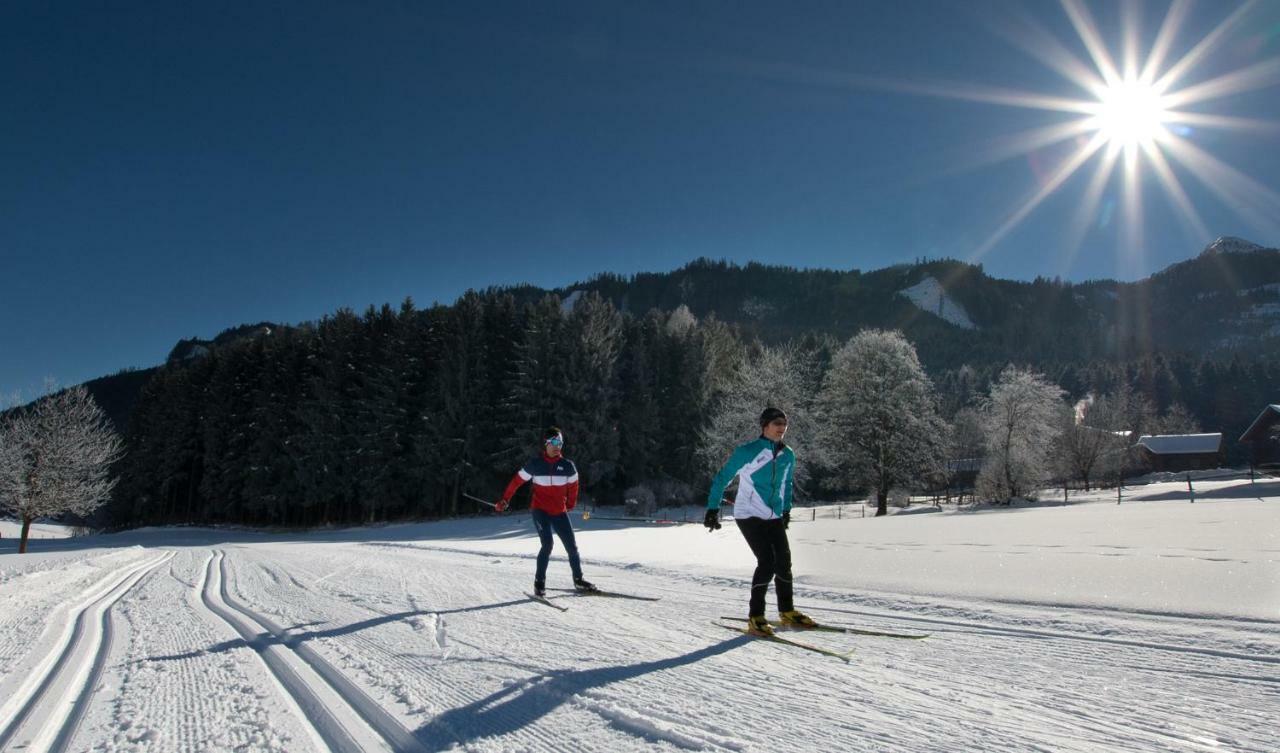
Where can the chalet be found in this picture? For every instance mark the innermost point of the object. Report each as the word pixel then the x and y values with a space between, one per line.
pixel 1263 436
pixel 1181 452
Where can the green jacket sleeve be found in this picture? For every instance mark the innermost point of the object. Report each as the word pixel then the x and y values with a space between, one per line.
pixel 738 459
pixel 788 490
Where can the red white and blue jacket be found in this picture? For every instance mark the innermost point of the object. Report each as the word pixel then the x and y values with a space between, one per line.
pixel 555 484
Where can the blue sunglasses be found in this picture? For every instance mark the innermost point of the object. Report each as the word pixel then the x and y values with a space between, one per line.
pixel 556 441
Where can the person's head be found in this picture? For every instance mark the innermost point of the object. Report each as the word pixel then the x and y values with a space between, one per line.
pixel 553 441
pixel 773 424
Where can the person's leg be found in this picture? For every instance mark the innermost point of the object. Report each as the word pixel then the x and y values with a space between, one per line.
pixel 754 530
pixel 781 564
pixel 564 529
pixel 542 522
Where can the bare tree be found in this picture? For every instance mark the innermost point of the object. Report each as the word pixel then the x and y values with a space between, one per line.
pixel 56 458
pixel 1019 416
pixel 781 377
pixel 882 424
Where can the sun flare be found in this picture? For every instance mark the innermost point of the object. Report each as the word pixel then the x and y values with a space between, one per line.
pixel 1131 113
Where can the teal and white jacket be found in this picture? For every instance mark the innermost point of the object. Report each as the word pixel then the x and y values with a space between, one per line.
pixel 764 472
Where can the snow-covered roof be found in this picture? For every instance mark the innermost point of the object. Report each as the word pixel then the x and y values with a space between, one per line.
pixel 1265 419
pixel 1181 444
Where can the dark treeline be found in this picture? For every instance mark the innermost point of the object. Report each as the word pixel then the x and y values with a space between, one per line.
pixel 399 413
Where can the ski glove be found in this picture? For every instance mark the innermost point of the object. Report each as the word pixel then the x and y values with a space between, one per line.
pixel 786 520
pixel 712 521
pixel 501 506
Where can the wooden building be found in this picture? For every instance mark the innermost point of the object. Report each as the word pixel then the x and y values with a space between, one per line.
pixel 1181 452
pixel 1263 436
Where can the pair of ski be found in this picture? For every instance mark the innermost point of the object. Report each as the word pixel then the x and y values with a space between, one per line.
pixel 843 656
pixel 597 592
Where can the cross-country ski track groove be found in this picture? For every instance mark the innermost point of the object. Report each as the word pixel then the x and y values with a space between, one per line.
pixel 341 715
pixel 46 711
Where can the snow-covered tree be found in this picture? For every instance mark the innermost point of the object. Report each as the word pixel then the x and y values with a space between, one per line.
pixel 1019 416
pixel 1176 420
pixel 881 423
pixel 56 458
pixel 783 377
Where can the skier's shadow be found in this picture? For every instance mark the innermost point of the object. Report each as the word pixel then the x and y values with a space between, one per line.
pixel 292 639
pixel 518 706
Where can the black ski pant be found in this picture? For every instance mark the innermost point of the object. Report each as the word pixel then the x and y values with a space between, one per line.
pixel 546 523
pixel 768 542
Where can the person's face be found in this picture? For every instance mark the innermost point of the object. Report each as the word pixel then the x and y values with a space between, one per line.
pixel 554 446
pixel 775 430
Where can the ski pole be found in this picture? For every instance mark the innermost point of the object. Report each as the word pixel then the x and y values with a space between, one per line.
pixel 481 501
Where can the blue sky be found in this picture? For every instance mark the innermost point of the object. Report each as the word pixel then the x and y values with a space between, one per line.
pixel 170 171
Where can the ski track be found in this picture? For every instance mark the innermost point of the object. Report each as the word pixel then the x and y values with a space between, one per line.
pixel 409 646
pixel 44 713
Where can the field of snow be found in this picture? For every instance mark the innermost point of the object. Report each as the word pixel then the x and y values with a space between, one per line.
pixel 1150 625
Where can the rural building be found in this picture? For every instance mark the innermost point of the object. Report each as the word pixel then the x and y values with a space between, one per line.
pixel 1263 436
pixel 1181 452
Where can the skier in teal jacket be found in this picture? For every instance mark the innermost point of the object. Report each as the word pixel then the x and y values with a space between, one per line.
pixel 765 469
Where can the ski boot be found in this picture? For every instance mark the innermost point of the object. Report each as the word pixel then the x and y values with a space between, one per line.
pixel 540 588
pixel 581 585
pixel 796 619
pixel 759 625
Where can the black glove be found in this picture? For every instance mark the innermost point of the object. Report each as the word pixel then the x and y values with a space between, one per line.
pixel 786 520
pixel 712 521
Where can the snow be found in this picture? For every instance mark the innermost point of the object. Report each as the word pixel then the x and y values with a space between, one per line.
pixel 929 295
pixel 13 529
pixel 1228 244
pixel 1148 625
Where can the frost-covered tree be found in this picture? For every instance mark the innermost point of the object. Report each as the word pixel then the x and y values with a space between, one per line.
pixel 56 458
pixel 882 427
pixel 783 377
pixel 1176 420
pixel 1019 417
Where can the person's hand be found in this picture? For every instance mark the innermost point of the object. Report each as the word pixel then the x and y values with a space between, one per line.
pixel 786 520
pixel 501 506
pixel 712 521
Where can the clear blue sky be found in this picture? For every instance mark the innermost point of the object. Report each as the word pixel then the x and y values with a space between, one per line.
pixel 173 169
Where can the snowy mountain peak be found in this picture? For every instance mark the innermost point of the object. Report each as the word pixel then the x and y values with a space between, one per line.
pixel 1228 244
pixel 929 295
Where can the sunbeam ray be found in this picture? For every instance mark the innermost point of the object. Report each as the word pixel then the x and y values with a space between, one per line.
pixel 1035 40
pixel 1203 48
pixel 1088 31
pixel 1018 144
pixel 1086 212
pixel 1164 39
pixel 1060 176
pixel 1224 122
pixel 1250 199
pixel 1257 76
pixel 1173 187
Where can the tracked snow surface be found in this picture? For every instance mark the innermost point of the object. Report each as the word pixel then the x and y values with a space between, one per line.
pixel 1149 625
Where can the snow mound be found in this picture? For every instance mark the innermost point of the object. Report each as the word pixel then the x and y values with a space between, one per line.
pixel 929 295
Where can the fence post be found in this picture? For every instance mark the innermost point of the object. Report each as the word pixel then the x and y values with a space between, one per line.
pixel 1189 489
pixel 815 514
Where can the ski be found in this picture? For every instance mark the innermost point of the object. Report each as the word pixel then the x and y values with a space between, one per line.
pixel 845 657
pixel 842 629
pixel 608 594
pixel 545 600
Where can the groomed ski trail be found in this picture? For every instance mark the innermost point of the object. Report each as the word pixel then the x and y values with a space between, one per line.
pixel 46 711
pixel 342 716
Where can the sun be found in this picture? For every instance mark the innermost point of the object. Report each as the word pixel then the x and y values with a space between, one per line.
pixel 1131 113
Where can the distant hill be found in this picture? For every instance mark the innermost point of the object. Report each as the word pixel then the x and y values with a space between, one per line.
pixel 1225 300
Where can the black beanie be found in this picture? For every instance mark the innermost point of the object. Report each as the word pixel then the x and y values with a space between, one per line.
pixel 552 431
pixel 770 415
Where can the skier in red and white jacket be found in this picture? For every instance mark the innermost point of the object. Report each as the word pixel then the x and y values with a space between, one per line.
pixel 555 492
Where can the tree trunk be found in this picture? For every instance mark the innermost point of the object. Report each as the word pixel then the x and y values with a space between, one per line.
pixel 882 502
pixel 26 529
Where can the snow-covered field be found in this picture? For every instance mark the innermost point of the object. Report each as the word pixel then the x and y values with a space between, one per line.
pixel 1151 625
